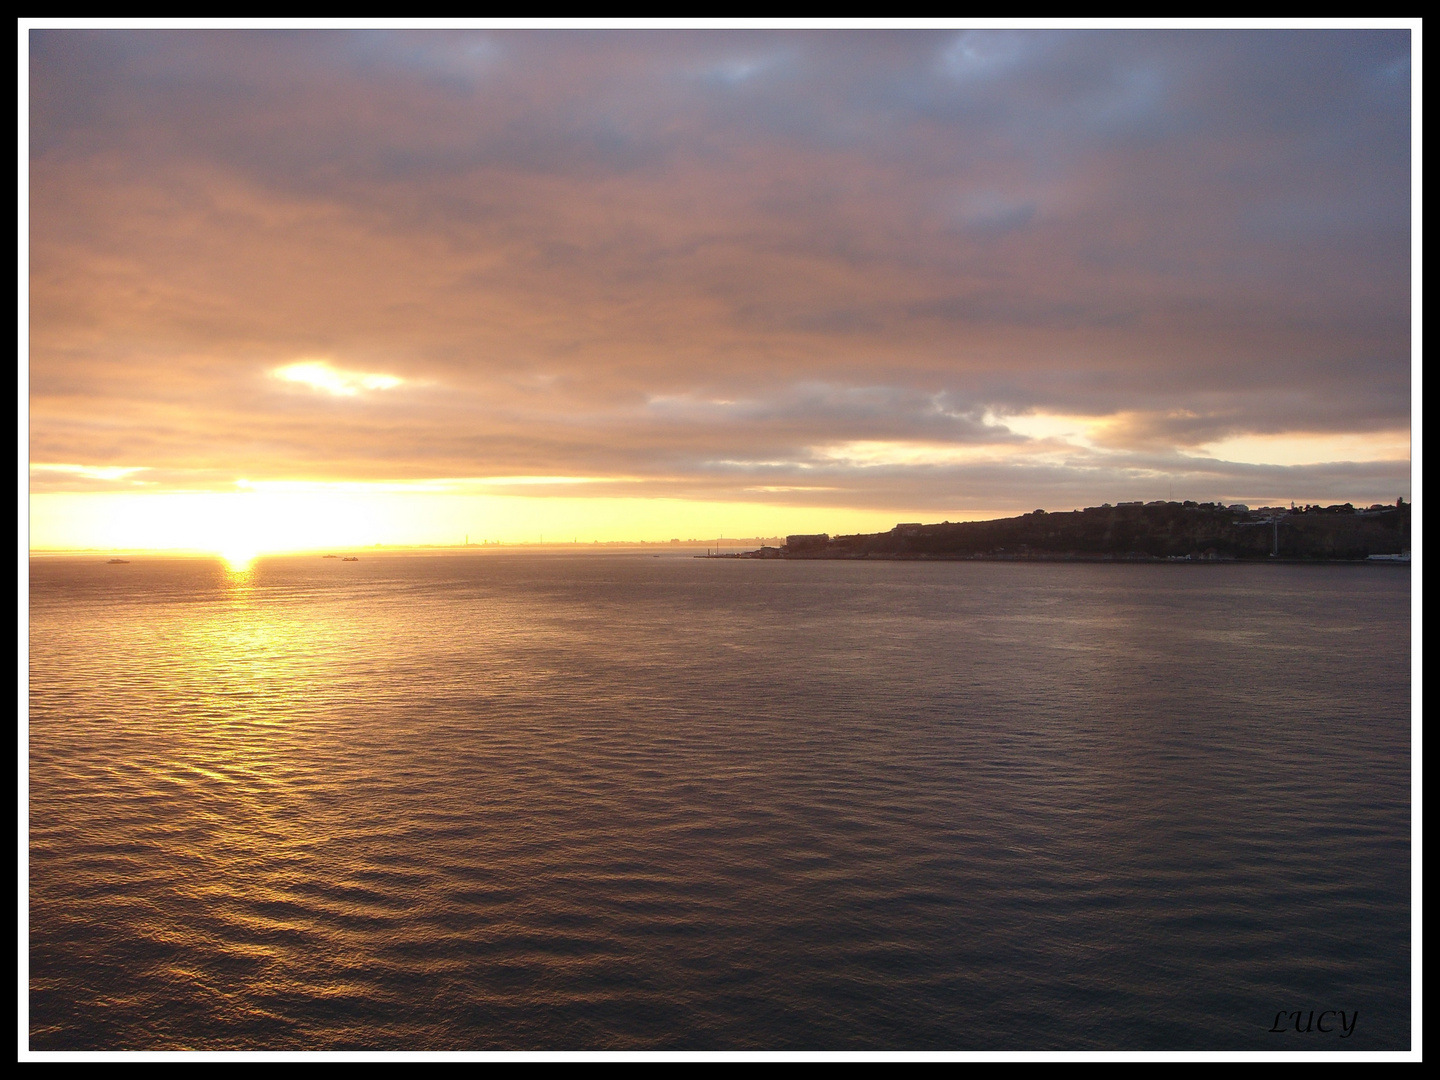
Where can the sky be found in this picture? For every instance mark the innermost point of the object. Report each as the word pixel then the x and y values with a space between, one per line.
pixel 292 289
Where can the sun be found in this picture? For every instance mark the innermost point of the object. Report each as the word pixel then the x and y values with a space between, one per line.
pixel 238 558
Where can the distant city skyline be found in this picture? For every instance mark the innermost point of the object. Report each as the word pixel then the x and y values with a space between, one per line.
pixel 290 289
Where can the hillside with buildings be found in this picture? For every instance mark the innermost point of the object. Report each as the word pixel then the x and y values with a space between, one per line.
pixel 1177 531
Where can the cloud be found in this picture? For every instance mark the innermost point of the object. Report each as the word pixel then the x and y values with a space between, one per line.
pixel 318 375
pixel 647 255
pixel 93 472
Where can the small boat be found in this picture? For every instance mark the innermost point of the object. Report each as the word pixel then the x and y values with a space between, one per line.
pixel 329 556
pixel 114 562
pixel 351 558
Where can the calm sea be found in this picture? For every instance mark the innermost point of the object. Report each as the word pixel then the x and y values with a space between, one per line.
pixel 616 801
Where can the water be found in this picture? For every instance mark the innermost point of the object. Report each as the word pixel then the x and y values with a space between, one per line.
pixel 527 801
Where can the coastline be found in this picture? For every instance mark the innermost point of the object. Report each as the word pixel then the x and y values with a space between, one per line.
pixel 1131 532
pixel 1059 558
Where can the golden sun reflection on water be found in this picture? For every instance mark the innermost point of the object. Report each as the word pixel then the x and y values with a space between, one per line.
pixel 237 576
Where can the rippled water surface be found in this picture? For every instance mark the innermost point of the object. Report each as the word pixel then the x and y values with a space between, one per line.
pixel 537 801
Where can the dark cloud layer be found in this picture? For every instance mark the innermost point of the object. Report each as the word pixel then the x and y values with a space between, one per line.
pixel 703 261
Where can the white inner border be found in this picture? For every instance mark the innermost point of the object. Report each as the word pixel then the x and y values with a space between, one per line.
pixel 24 26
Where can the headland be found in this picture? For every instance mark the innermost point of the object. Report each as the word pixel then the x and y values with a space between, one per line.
pixel 1132 532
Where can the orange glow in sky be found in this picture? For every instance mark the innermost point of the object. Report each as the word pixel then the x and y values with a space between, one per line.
pixel 239 525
